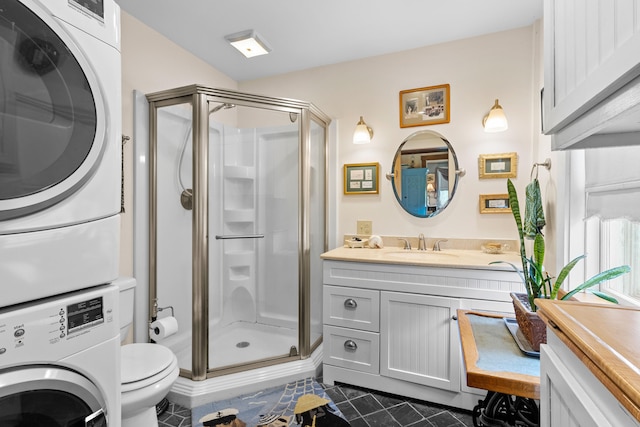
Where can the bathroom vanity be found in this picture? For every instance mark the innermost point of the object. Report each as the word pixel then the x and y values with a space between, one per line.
pixel 390 317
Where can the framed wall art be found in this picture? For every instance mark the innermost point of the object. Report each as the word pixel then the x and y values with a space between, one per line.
pixel 424 106
pixel 494 204
pixel 503 165
pixel 361 178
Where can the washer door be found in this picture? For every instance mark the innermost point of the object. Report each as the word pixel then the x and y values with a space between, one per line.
pixel 52 114
pixel 39 396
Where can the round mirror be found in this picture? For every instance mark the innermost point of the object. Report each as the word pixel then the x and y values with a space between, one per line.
pixel 425 174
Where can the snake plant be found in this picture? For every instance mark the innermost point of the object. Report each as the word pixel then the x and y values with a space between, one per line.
pixel 537 281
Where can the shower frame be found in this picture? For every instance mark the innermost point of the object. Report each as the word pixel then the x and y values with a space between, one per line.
pixel 199 96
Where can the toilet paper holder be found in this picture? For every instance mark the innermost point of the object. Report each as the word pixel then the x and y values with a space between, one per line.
pixel 156 309
pixel 169 307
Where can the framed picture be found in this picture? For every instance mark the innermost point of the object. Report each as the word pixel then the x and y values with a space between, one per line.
pixel 424 106
pixel 494 204
pixel 361 178
pixel 504 165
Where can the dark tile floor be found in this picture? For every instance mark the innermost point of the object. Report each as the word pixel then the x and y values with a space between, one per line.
pixel 175 416
pixel 364 408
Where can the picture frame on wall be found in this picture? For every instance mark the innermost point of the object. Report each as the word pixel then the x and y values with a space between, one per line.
pixel 502 165
pixel 425 106
pixel 495 204
pixel 361 178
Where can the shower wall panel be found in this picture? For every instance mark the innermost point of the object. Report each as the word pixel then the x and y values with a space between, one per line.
pixel 174 222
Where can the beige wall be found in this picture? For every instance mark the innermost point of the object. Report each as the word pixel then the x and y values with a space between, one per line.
pixel 480 69
pixel 152 63
pixel 503 65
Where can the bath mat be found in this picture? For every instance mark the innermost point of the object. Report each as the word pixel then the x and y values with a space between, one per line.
pixel 273 401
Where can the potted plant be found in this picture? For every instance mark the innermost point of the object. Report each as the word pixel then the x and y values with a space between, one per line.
pixel 539 284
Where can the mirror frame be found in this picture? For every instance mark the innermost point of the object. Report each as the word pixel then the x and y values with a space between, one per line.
pixel 452 160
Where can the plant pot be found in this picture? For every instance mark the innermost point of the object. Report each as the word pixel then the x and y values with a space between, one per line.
pixel 531 325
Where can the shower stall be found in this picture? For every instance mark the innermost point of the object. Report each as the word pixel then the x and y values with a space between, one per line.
pixel 237 189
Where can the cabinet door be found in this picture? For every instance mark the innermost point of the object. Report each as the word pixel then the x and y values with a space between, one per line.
pixel 592 49
pixel 571 395
pixel 563 400
pixel 419 339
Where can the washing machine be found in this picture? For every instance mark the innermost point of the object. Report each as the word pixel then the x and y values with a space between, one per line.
pixel 60 146
pixel 60 361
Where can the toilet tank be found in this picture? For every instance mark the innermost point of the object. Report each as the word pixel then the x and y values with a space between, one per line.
pixel 127 287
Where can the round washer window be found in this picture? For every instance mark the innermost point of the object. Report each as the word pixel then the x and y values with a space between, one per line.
pixel 48 396
pixel 50 408
pixel 47 109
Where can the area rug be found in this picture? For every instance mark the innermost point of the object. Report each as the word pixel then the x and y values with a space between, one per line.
pixel 276 401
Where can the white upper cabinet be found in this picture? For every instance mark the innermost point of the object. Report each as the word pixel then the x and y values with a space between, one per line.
pixel 591 92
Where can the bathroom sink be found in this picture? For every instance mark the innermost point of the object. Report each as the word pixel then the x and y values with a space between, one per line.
pixel 421 255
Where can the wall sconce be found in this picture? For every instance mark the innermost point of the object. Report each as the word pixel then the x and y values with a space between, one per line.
pixel 495 121
pixel 363 133
pixel 249 43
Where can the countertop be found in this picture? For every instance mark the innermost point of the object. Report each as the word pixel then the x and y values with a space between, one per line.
pixel 605 338
pixel 493 360
pixel 452 258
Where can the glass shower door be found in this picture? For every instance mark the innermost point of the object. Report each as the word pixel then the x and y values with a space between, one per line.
pixel 254 235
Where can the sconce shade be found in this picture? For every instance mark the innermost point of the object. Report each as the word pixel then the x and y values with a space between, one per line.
pixel 249 43
pixel 363 133
pixel 495 121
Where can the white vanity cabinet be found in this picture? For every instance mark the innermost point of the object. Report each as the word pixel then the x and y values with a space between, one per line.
pixel 589 372
pixel 393 328
pixel 570 395
pixel 591 92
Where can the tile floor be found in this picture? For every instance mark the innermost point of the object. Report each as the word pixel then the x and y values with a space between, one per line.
pixel 364 408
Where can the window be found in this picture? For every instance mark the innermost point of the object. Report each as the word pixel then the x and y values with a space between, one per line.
pixel 612 211
pixel 619 244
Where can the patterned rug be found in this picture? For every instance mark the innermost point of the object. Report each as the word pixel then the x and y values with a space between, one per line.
pixel 276 401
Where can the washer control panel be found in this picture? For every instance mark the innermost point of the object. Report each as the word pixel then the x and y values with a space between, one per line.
pixel 54 328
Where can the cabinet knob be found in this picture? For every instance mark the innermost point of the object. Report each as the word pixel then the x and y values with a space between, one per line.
pixel 350 303
pixel 454 317
pixel 350 345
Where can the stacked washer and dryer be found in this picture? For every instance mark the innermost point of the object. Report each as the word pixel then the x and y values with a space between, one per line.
pixel 60 154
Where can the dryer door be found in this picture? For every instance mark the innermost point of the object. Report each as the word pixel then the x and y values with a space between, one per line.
pixel 52 114
pixel 47 396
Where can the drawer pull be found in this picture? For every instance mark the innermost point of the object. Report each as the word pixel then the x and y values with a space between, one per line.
pixel 350 345
pixel 350 303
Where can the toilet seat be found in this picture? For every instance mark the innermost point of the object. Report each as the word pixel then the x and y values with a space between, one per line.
pixel 143 364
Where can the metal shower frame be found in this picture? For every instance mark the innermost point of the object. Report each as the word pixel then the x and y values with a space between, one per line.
pixel 199 97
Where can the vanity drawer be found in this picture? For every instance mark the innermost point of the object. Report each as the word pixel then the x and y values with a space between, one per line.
pixel 353 349
pixel 351 308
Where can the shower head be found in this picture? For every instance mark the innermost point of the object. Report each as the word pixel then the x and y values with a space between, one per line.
pixel 221 106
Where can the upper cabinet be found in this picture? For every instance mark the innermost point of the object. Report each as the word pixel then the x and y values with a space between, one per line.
pixel 591 95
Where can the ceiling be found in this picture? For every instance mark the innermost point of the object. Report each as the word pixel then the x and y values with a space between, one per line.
pixel 310 33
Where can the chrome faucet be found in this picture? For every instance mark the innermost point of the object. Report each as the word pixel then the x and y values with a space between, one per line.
pixel 422 244
pixel 407 245
pixel 436 245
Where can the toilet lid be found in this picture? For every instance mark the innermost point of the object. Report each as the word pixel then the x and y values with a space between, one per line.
pixel 140 361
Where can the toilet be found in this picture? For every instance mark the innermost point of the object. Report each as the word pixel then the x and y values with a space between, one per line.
pixel 147 370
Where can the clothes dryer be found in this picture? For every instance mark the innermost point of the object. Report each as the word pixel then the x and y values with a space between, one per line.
pixel 60 146
pixel 60 361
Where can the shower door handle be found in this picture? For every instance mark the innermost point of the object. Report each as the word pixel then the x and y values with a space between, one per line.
pixel 240 236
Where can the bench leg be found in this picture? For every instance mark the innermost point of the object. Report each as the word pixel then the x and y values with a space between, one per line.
pixel 503 410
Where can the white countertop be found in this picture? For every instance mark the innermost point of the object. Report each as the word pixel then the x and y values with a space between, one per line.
pixel 451 258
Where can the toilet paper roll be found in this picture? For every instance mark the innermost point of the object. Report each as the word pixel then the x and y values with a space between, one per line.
pixel 163 328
